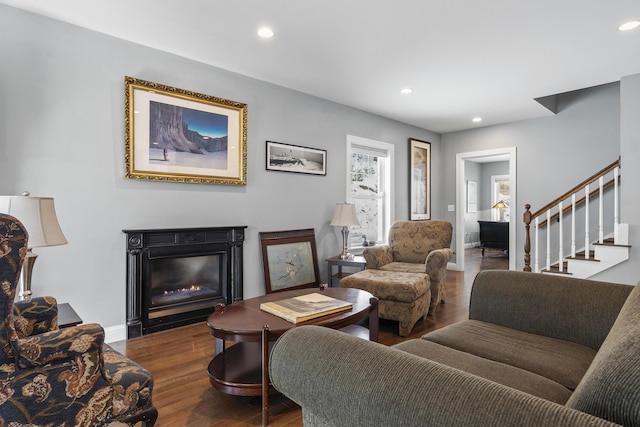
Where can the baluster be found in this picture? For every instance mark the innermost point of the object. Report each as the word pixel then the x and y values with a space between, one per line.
pixel 601 210
pixel 586 222
pixel 527 238
pixel 548 239
pixel 561 238
pixel 573 225
pixel 616 219
pixel 537 263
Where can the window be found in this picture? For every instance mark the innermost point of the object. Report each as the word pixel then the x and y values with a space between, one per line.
pixel 369 183
pixel 500 191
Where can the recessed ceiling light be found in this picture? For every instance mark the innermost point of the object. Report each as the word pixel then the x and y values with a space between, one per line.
pixel 629 25
pixel 265 32
pixel 406 90
pixel 476 119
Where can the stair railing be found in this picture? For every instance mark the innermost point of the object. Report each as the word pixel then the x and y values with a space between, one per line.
pixel 554 211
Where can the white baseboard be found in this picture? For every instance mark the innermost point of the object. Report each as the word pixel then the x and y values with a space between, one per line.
pixel 115 333
pixel 472 245
pixel 452 266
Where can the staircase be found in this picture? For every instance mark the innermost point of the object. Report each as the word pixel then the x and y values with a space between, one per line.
pixel 582 212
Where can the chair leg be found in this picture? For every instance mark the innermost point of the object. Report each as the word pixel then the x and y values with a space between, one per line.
pixel 148 418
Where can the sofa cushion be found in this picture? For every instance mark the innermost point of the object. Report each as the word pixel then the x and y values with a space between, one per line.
pixel 611 387
pixel 389 285
pixel 404 267
pixel 570 309
pixel 561 361
pixel 501 373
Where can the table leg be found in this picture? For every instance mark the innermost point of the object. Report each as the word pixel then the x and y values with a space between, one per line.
pixel 373 320
pixel 219 343
pixel 265 375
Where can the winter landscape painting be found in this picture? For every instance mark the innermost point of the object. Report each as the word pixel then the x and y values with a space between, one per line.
pixel 293 158
pixel 187 137
pixel 420 179
pixel 177 135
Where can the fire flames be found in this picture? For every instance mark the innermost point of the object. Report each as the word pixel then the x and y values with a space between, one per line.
pixel 177 291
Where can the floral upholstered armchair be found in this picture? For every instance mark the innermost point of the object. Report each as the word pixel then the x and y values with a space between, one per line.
pixel 416 247
pixel 66 377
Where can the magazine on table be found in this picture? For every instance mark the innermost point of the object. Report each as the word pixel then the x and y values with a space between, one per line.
pixel 305 307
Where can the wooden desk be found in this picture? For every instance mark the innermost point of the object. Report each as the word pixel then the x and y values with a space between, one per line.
pixel 494 234
pixel 67 316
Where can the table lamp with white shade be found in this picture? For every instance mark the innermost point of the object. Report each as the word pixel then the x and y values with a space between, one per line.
pixel 38 215
pixel 345 216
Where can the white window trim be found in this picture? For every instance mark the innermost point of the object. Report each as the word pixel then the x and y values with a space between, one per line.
pixel 389 215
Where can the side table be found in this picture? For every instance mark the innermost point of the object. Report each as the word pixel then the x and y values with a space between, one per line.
pixel 357 263
pixel 67 316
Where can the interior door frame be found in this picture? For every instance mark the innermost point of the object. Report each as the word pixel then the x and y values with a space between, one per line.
pixel 461 158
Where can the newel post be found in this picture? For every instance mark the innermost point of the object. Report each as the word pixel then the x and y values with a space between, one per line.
pixel 527 238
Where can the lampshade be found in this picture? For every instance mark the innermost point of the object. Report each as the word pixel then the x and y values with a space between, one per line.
pixel 38 215
pixel 345 215
pixel 500 205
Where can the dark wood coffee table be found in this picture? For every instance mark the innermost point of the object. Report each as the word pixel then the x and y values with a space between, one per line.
pixel 242 368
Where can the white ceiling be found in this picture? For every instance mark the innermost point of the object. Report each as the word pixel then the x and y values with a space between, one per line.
pixel 463 58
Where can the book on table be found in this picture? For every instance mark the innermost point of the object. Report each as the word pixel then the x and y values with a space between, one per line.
pixel 305 307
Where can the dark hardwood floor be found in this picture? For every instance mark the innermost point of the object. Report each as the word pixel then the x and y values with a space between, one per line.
pixel 178 359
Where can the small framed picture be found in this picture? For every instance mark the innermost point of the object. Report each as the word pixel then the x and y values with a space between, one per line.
pixel 289 259
pixel 293 158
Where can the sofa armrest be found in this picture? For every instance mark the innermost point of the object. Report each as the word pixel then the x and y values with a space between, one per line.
pixel 577 310
pixel 341 380
pixel 62 346
pixel 436 264
pixel 377 256
pixel 35 316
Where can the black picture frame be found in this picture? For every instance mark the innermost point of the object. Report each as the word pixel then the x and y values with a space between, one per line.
pixel 295 158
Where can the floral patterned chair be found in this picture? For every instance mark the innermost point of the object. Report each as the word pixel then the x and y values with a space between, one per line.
pixel 66 377
pixel 407 275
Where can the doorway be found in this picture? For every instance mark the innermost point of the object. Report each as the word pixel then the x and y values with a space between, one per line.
pixel 501 154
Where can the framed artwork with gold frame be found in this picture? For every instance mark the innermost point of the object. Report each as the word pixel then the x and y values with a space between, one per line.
pixel 177 135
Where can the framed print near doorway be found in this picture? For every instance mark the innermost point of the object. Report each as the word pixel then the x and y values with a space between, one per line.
pixel 420 179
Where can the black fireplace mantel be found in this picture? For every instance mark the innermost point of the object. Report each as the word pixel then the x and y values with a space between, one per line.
pixel 179 242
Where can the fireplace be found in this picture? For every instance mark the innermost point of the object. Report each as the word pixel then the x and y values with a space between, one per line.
pixel 177 276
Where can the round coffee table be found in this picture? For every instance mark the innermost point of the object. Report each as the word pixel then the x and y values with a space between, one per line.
pixel 242 368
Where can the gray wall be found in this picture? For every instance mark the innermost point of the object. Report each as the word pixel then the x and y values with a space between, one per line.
pixel 629 272
pixel 61 131
pixel 473 172
pixel 553 153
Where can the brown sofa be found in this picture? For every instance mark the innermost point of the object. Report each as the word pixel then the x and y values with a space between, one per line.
pixel 537 350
